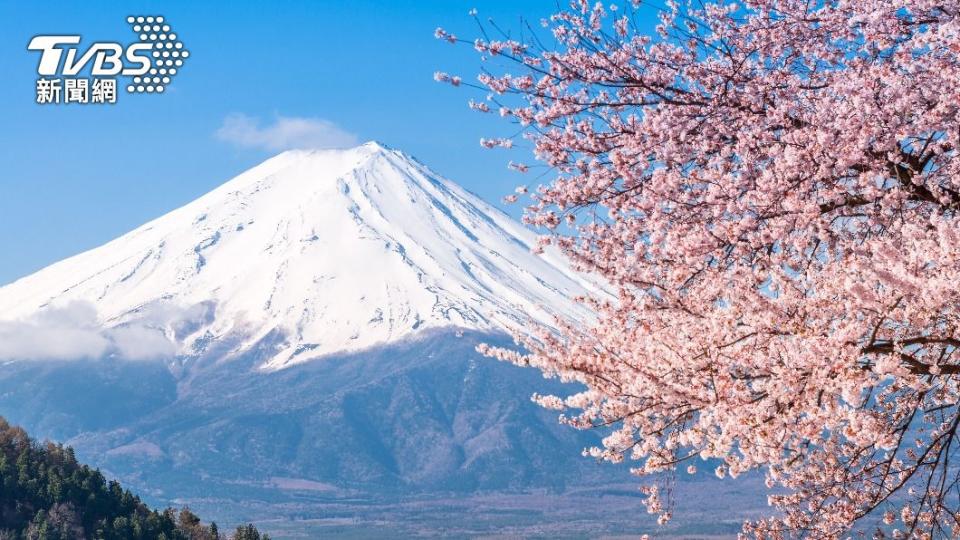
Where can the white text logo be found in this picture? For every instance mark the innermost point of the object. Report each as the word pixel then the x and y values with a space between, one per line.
pixel 151 63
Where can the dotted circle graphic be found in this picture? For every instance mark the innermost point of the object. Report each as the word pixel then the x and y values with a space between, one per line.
pixel 168 51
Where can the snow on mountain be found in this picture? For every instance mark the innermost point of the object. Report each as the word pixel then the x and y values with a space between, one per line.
pixel 334 250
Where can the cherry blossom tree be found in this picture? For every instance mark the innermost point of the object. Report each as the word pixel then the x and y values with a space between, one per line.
pixel 772 189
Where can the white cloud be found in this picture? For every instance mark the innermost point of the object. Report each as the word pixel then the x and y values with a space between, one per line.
pixel 73 332
pixel 56 334
pixel 140 343
pixel 285 133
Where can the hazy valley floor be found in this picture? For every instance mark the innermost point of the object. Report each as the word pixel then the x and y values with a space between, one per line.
pixel 705 509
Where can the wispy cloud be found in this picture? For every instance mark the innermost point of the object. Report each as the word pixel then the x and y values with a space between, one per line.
pixel 73 332
pixel 284 133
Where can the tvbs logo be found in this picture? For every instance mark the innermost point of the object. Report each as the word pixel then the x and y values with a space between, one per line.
pixel 150 63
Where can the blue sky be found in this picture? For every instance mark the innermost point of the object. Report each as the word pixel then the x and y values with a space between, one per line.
pixel 74 177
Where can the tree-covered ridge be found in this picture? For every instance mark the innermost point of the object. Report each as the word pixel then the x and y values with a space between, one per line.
pixel 45 494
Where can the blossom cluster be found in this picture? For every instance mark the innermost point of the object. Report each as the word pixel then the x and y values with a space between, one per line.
pixel 772 191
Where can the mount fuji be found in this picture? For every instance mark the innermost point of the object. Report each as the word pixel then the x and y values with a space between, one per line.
pixel 297 348
pixel 335 250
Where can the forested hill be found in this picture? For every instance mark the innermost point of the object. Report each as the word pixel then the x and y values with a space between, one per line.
pixel 45 494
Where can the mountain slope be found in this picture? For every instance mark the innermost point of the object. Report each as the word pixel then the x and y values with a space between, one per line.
pixel 334 250
pixel 420 415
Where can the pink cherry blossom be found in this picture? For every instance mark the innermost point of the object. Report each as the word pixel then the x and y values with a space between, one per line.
pixel 772 190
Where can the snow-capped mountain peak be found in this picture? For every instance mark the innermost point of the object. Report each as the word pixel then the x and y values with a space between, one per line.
pixel 331 250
